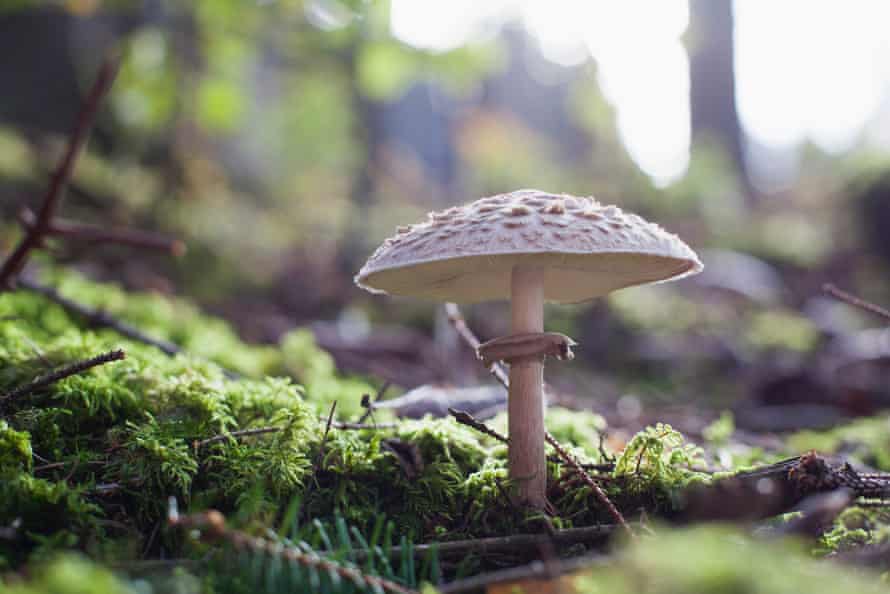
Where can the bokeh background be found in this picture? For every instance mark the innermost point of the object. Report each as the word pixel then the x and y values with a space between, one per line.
pixel 284 140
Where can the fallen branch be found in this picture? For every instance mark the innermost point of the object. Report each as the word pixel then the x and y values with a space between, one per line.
pixel 60 374
pixel 597 490
pixel 460 326
pixel 465 418
pixel 98 318
pixel 501 544
pixel 55 192
pixel 235 435
pixel 524 575
pixel 212 526
pixel 98 234
pixel 855 301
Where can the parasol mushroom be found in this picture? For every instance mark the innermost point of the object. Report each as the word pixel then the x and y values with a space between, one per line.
pixel 529 247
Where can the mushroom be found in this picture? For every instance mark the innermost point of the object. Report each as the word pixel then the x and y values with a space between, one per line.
pixel 530 247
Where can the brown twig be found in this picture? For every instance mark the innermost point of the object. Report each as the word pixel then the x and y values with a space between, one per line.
pixel 320 456
pixel 597 490
pixel 235 435
pixel 67 371
pixel 98 234
pixel 212 525
pixel 460 326
pixel 501 544
pixel 524 574
pixel 97 317
pixel 361 426
pixel 263 430
pixel 56 190
pixel 855 301
pixel 368 403
pixel 465 418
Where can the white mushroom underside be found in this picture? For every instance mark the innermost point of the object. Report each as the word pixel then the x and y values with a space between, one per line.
pixel 569 277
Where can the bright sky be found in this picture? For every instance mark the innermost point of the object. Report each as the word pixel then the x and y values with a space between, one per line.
pixel 806 70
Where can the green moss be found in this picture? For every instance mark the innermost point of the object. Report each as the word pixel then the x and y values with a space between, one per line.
pixel 854 527
pixel 69 574
pixel 15 449
pixel 115 442
pixel 719 560
pixel 865 440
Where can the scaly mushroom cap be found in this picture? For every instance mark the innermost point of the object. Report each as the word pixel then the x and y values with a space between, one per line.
pixel 467 253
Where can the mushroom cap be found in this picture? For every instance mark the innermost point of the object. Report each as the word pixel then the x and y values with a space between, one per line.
pixel 466 254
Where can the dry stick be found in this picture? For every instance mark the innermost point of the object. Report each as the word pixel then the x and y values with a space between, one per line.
pixel 97 317
pixel 460 325
pixel 318 458
pixel 99 234
pixel 465 418
pixel 213 527
pixel 235 435
pixel 855 301
pixel 67 371
pixel 56 190
pixel 361 426
pixel 500 544
pixel 263 430
pixel 524 574
pixel 370 403
pixel 600 494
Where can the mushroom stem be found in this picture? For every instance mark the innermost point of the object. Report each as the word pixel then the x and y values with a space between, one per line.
pixel 528 462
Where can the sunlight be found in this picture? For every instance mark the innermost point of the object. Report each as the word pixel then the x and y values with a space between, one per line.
pixel 820 79
pixel 823 79
pixel 642 65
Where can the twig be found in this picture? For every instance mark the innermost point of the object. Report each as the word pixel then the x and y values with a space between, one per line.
pixel 361 426
pixel 369 404
pixel 600 494
pixel 213 528
pixel 855 301
pixel 460 326
pixel 263 430
pixel 524 574
pixel 465 418
pixel 97 317
pixel 67 371
pixel 320 456
pixel 235 435
pixel 501 544
pixel 99 234
pixel 56 190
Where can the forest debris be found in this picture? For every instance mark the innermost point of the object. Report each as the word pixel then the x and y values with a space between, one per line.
pixel 818 512
pixel 56 190
pixel 100 234
pixel 597 490
pixel 63 372
pixel 212 527
pixel 98 318
pixel 777 488
pixel 437 400
pixel 855 301
pixel 197 445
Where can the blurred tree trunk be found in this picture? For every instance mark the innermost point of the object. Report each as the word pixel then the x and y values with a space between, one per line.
pixel 712 82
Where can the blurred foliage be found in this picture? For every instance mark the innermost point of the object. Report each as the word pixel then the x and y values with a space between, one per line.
pixel 717 559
